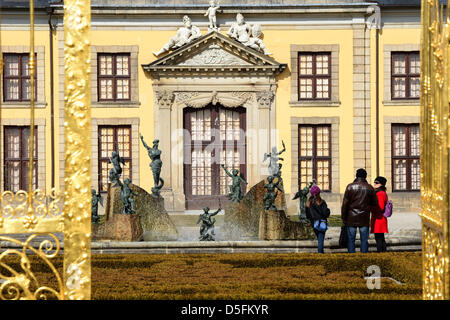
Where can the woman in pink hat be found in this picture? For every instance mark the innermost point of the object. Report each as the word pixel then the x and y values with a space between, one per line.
pixel 317 212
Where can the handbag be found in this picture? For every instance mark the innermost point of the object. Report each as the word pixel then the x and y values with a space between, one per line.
pixel 343 237
pixel 388 209
pixel 321 225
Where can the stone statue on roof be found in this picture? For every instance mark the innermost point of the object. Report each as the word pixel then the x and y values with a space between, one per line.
pixel 211 13
pixel 247 34
pixel 184 35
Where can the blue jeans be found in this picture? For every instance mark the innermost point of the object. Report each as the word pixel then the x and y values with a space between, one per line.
pixel 320 237
pixel 364 238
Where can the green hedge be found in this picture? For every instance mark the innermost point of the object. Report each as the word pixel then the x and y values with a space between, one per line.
pixel 248 276
pixel 333 220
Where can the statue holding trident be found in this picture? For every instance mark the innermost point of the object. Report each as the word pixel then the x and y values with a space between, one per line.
pixel 274 166
pixel 155 165
pixel 235 194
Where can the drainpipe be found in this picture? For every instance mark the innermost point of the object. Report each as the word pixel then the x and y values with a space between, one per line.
pixel 52 100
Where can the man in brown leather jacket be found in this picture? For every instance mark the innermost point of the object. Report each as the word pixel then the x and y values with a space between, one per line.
pixel 359 200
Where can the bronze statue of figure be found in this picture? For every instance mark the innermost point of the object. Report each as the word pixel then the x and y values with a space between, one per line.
pixel 274 166
pixel 278 174
pixel 125 196
pixel 96 199
pixel 116 171
pixel 207 227
pixel 302 195
pixel 235 194
pixel 272 192
pixel 155 165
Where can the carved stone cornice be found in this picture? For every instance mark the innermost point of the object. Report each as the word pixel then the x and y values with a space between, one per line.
pixel 164 99
pixel 197 99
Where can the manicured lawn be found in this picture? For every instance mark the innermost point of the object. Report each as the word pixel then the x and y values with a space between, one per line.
pixel 252 276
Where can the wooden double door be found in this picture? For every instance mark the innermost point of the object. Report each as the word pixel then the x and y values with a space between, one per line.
pixel 213 136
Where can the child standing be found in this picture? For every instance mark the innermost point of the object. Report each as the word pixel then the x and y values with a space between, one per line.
pixel 211 13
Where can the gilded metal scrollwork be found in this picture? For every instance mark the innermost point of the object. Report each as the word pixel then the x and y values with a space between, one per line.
pixel 14 205
pixel 45 211
pixel 77 167
pixel 18 281
pixel 38 213
pixel 435 261
pixel 434 150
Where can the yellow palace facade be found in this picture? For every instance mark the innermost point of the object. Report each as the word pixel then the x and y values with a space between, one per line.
pixel 336 82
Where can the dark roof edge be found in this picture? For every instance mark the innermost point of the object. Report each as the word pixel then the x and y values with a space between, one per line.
pixel 229 6
pixel 38 4
pixel 400 3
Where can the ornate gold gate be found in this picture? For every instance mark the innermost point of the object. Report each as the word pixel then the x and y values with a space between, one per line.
pixel 435 143
pixel 39 214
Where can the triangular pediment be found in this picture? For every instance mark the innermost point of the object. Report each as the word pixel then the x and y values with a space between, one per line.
pixel 216 53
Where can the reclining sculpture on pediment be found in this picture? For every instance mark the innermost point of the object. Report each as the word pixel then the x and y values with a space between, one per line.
pixel 184 35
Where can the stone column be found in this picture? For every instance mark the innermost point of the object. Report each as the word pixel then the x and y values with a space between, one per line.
pixel 163 132
pixel 264 99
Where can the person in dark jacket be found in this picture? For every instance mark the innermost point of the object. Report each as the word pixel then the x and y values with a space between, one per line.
pixel 359 201
pixel 317 209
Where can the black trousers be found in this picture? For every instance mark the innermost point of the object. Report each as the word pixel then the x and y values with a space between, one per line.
pixel 381 242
